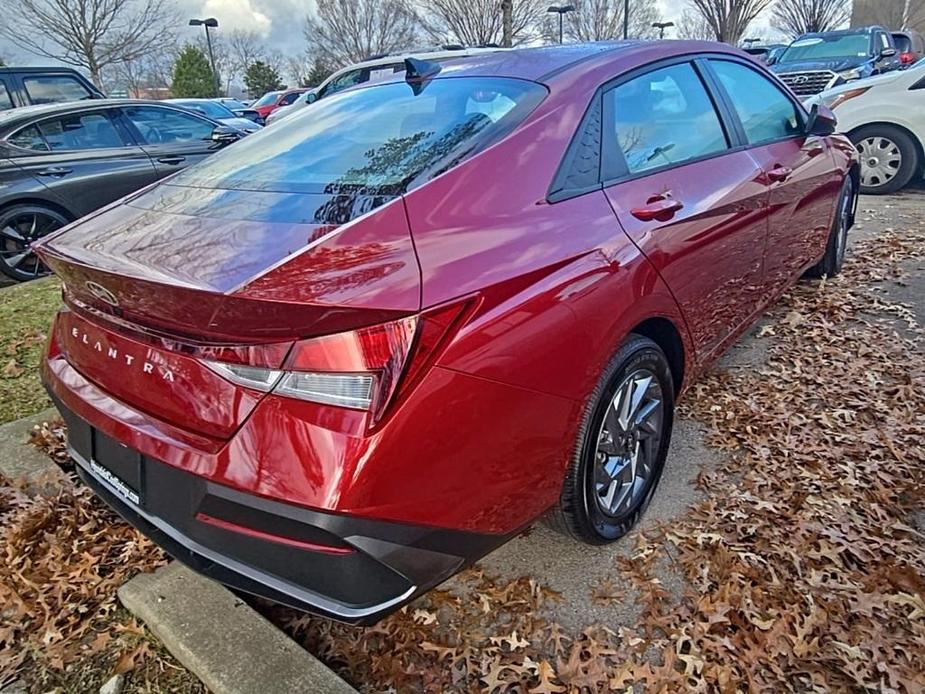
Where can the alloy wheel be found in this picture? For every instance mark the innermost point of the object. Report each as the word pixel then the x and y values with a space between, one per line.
pixel 629 443
pixel 880 160
pixel 17 232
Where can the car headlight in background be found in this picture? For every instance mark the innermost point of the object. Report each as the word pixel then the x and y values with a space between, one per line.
pixel 852 74
pixel 836 100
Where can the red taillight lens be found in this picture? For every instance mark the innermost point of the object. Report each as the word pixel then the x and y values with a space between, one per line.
pixel 907 58
pixel 363 369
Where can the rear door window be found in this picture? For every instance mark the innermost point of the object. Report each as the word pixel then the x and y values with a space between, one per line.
pixel 76 132
pixel 395 139
pixel 6 101
pixel 664 117
pixel 361 76
pixel 159 126
pixel 51 89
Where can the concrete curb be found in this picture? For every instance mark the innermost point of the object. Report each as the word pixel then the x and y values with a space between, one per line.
pixel 19 459
pixel 220 639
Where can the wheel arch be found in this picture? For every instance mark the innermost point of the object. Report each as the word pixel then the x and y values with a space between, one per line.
pixel 42 202
pixel 667 336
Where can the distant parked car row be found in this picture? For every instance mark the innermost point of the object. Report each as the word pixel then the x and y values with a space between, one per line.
pixel 59 162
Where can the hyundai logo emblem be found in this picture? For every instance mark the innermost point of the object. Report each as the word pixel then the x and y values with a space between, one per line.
pixel 800 79
pixel 101 293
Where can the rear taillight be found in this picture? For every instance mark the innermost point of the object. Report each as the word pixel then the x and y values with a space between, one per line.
pixel 907 58
pixel 363 369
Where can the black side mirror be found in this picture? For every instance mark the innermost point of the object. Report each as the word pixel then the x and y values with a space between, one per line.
pixel 224 135
pixel 821 121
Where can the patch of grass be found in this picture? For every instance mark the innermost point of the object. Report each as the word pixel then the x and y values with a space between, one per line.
pixel 26 311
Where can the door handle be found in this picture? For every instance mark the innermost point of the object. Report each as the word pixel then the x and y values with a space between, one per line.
pixel 56 171
pixel 779 174
pixel 171 160
pixel 658 208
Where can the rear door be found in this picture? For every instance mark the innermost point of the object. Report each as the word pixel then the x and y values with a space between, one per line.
pixel 82 158
pixel 799 169
pixel 173 138
pixel 692 203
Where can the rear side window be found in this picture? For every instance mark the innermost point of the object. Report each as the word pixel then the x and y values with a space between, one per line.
pixel 360 76
pixel 664 117
pixel 396 138
pixel 765 111
pixel 289 98
pixel 161 126
pixel 5 100
pixel 70 133
pixel 52 89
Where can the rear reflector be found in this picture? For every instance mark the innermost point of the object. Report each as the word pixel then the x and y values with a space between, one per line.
pixel 248 376
pixel 270 537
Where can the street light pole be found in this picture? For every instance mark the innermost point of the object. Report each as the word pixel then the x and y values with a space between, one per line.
pixel 210 23
pixel 626 19
pixel 561 10
pixel 661 26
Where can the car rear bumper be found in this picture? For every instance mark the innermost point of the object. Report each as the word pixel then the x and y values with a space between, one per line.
pixel 355 570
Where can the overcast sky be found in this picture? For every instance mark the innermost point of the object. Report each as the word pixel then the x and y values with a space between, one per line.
pixel 279 22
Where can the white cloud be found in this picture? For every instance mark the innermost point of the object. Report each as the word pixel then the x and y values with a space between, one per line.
pixel 238 14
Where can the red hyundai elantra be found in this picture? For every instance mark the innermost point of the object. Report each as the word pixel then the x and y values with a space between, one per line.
pixel 342 359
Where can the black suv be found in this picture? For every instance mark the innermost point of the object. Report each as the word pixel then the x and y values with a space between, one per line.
pixel 816 62
pixel 24 86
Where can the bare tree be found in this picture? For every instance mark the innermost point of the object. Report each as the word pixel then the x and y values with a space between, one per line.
pixel 480 22
pixel 146 77
pixel 895 14
pixel 729 19
pixel 347 31
pixel 693 26
pixel 92 34
pixel 796 17
pixel 599 20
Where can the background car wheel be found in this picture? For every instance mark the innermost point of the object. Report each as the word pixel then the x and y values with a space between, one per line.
pixel 621 448
pixel 889 158
pixel 834 257
pixel 20 225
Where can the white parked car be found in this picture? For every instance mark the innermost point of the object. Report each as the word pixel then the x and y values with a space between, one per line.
pixel 885 118
pixel 367 71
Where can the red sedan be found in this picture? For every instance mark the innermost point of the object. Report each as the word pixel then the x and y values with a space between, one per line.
pixel 342 359
pixel 271 101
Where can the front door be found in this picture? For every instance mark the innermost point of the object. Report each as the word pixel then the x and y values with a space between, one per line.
pixel 799 169
pixel 697 209
pixel 173 138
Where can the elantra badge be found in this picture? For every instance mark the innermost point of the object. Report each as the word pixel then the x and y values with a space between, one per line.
pixel 101 293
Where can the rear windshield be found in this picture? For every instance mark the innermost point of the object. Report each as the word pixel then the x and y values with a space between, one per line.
pixel 376 140
pixel 826 47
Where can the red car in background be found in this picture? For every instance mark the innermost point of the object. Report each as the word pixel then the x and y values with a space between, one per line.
pixel 271 101
pixel 339 361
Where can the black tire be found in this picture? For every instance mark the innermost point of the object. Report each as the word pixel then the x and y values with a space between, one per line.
pixel 20 225
pixel 834 258
pixel 903 145
pixel 579 512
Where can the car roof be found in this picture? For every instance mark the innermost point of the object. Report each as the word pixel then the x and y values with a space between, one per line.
pixel 25 113
pixel 840 32
pixel 22 68
pixel 545 64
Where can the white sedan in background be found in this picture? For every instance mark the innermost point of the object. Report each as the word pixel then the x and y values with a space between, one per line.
pixel 885 118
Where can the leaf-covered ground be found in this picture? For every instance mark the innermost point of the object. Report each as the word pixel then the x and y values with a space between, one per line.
pixel 802 568
pixel 62 557
pixel 26 311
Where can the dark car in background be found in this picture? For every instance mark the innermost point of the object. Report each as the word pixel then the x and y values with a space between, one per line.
pixel 213 108
pixel 60 162
pixel 27 86
pixel 818 61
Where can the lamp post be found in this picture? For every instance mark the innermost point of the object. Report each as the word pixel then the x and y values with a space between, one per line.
pixel 661 26
pixel 561 10
pixel 210 23
pixel 626 19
